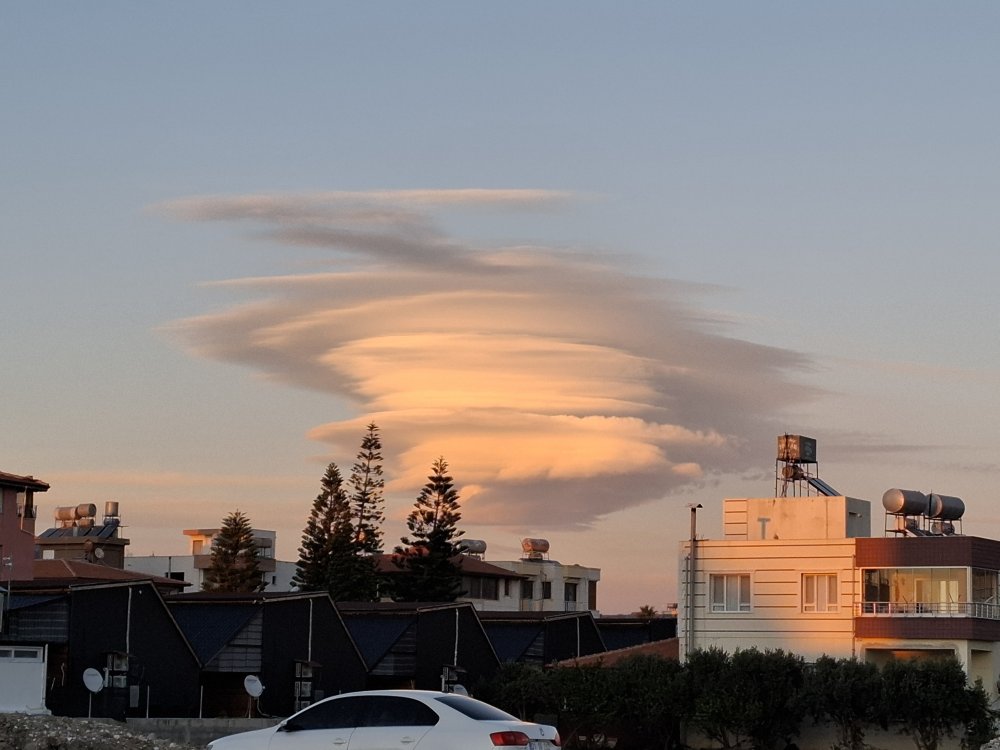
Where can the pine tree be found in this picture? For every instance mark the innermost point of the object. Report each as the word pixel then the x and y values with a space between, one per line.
pixel 428 571
pixel 367 501
pixel 329 558
pixel 235 564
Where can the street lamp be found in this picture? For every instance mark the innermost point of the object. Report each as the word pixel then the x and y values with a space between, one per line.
pixel 692 565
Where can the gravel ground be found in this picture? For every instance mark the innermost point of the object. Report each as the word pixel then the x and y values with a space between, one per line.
pixel 23 732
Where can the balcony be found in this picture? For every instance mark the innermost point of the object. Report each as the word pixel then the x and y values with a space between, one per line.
pixel 979 610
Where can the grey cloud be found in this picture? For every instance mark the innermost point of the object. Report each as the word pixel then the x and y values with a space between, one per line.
pixel 681 399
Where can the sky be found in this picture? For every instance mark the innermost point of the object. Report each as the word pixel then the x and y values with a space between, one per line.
pixel 598 256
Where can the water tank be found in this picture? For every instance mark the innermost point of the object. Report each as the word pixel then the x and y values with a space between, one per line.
pixel 797 449
pixel 945 508
pixel 474 546
pixel 111 508
pixel 539 546
pixel 65 513
pixel 907 502
pixel 86 510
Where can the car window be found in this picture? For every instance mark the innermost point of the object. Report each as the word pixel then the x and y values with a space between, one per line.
pixel 475 709
pixel 391 711
pixel 336 713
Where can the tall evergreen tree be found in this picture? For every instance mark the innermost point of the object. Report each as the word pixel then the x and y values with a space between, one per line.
pixel 235 562
pixel 328 558
pixel 428 571
pixel 367 501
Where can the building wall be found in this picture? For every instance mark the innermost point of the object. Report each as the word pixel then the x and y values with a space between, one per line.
pixel 192 568
pixel 557 576
pixel 776 618
pixel 17 533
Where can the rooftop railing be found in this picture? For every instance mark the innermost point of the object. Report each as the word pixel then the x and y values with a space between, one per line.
pixel 981 610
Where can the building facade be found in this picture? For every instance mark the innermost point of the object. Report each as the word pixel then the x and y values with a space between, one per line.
pixel 804 574
pixel 192 567
pixel 17 523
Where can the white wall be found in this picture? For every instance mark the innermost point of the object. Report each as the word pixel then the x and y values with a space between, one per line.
pixel 22 679
pixel 776 618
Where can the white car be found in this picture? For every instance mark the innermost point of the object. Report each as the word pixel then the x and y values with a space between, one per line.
pixel 390 719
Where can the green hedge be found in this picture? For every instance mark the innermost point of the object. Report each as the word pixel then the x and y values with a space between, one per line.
pixel 747 699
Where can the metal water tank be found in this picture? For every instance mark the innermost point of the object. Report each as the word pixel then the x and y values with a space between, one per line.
pixel 534 545
pixel 907 502
pixel 945 507
pixel 473 546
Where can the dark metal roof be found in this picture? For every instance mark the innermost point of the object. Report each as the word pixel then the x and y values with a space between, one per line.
pixel 511 640
pixel 209 627
pixel 23 601
pixel 375 634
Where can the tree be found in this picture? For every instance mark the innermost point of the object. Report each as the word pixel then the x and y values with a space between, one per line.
pixel 646 612
pixel 930 699
pixel 848 692
pixel 235 565
pixel 329 558
pixel 750 698
pixel 428 571
pixel 367 502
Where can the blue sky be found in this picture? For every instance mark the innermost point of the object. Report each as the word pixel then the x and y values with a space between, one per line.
pixel 721 222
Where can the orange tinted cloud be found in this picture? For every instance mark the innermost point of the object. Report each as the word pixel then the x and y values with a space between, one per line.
pixel 559 386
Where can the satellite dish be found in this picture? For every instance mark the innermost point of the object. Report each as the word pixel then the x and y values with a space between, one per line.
pixel 253 685
pixel 99 553
pixel 93 679
pixel 459 689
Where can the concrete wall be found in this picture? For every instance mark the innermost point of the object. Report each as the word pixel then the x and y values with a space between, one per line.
pixel 198 732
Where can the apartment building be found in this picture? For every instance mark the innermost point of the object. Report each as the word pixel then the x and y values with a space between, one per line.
pixel 802 571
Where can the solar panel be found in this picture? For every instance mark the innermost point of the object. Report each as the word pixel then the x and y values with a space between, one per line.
pixel 822 487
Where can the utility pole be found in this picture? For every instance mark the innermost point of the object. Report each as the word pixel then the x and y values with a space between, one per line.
pixel 691 569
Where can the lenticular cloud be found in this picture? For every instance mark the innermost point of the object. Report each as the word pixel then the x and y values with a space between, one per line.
pixel 559 387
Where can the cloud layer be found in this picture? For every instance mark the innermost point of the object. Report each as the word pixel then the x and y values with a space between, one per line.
pixel 559 386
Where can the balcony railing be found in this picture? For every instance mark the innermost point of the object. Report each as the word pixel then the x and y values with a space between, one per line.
pixel 981 610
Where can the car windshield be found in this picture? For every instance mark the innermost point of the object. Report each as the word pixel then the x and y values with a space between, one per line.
pixel 475 709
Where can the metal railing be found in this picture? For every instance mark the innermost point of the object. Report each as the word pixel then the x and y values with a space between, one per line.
pixel 981 610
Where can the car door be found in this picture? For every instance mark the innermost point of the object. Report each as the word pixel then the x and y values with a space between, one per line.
pixel 327 725
pixel 393 723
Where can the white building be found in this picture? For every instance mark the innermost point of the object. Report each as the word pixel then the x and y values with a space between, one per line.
pixel 804 574
pixel 547 585
pixel 192 566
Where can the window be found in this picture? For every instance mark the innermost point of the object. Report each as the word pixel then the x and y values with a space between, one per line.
pixel 303 684
pixel 919 590
pixel 481 588
pixel 570 590
pixel 819 592
pixel 388 711
pixel 474 709
pixel 730 592
pixel 546 589
pixel 336 713
pixel 527 589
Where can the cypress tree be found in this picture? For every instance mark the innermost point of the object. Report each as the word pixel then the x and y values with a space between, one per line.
pixel 367 501
pixel 428 571
pixel 235 563
pixel 329 558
